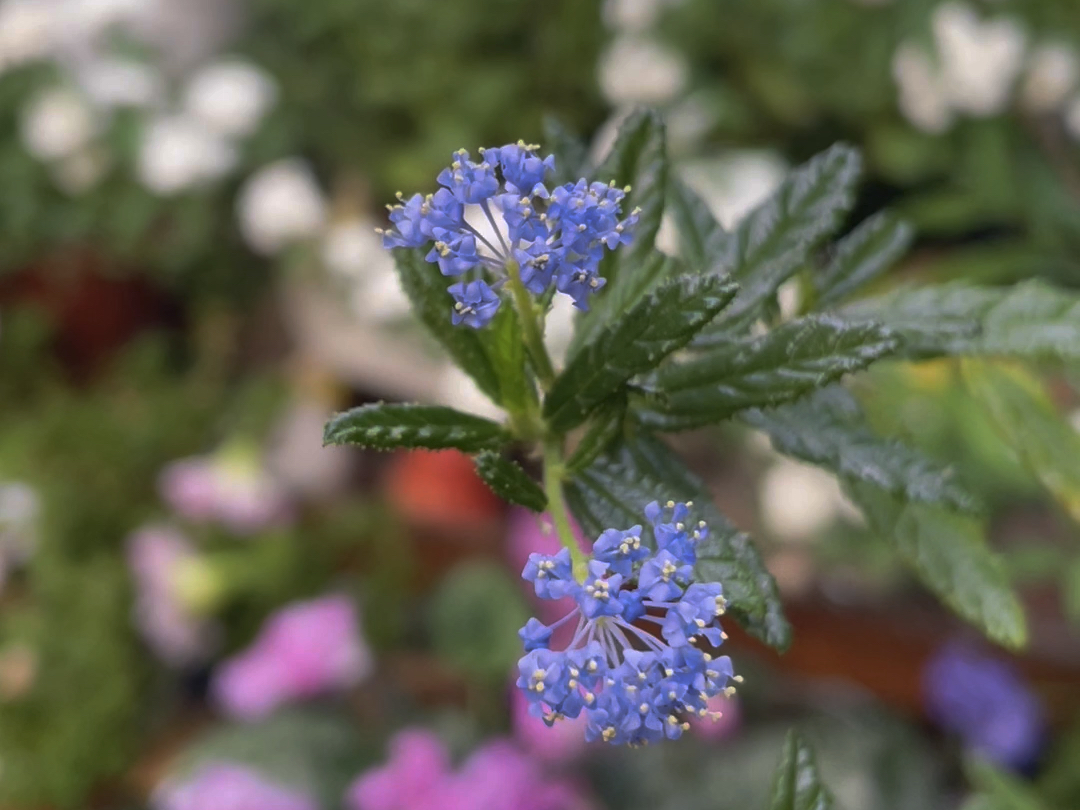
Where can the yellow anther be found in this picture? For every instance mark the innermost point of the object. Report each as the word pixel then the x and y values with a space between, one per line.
pixel 589 697
pixel 644 708
pixel 738 679
pixel 699 622
pixel 399 195
pixel 670 504
pixel 685 726
pixel 729 691
pixel 673 720
pixel 628 189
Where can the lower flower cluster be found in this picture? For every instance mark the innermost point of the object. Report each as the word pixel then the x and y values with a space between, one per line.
pixel 634 684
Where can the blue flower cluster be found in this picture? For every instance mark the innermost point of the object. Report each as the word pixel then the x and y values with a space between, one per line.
pixel 548 237
pixel 635 684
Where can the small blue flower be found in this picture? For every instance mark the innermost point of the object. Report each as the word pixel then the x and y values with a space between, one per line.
pixel 522 170
pixel 469 182
pixel 475 303
pixel 535 635
pixel 631 685
pixel 621 550
pixel 551 575
pixel 408 224
pixel 454 251
pixel 537 261
pixel 599 594
pixel 579 279
pixel 660 576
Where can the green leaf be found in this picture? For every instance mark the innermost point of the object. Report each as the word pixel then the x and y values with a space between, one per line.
pixel 864 254
pixel 782 365
pixel 605 426
pixel 1031 320
pixel 639 160
pixel 635 343
pixel 506 351
pixel 698 229
pixel 387 427
pixel 770 244
pixel 1027 420
pixel 828 428
pixel 613 492
pixel 426 288
pixel 569 151
pixel 948 552
pixel 509 481
pixel 999 790
pixel 797 784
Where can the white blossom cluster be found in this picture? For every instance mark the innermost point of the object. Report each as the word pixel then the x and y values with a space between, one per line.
pixel 979 67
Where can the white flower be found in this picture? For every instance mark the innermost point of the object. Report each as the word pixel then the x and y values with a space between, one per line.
pixel 80 172
pixel 350 248
pixel 231 97
pixel 57 123
pixel 1072 118
pixel 632 15
pixel 735 184
pixel 799 501
pixel 1051 76
pixel 280 205
pixel 980 61
pixel 26 31
pixel 635 70
pixel 114 82
pixel 922 93
pixel 178 153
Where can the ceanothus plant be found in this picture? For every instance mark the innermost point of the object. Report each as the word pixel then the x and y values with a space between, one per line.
pixel 666 344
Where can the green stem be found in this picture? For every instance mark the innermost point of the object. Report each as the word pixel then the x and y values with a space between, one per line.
pixel 534 340
pixel 553 488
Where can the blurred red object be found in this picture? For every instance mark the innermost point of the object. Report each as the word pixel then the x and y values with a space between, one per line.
pixel 94 309
pixel 440 489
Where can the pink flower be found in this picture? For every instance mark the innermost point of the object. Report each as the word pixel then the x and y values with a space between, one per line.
pixel 496 777
pixel 305 649
pixel 155 555
pixel 418 765
pixel 224 786
pixel 559 743
pixel 229 487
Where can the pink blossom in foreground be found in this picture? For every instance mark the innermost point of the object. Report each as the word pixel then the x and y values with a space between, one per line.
pixel 558 743
pixel 305 649
pixel 156 555
pixel 224 786
pixel 497 776
pixel 229 487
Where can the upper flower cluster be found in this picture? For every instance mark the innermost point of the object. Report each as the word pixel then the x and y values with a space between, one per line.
pixel 546 236
pixel 633 686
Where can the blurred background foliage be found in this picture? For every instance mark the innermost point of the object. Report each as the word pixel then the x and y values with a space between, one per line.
pixel 187 264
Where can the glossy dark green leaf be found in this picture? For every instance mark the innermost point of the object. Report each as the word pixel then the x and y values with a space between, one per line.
pixel 867 252
pixel 828 428
pixel 1032 320
pixel 948 552
pixel 636 342
pixel 509 481
pixel 698 229
pixel 615 488
pixel 383 426
pixel 638 159
pixel 797 784
pixel 780 366
pixel 773 242
pixel 604 427
pixel 426 287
